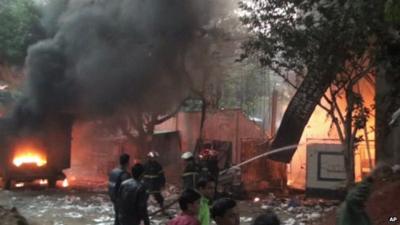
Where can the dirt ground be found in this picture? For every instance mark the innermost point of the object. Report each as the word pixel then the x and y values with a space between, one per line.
pixel 42 206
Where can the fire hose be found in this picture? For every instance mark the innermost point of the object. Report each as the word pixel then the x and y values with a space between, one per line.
pixel 235 166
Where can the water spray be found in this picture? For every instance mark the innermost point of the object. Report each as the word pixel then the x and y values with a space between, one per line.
pixel 286 148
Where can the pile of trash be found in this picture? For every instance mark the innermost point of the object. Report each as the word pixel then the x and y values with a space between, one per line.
pixel 11 217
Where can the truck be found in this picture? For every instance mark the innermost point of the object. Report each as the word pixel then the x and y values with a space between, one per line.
pixel 41 152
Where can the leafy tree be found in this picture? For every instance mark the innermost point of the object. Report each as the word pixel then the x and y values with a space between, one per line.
pixel 329 44
pixel 225 82
pixel 10 87
pixel 20 27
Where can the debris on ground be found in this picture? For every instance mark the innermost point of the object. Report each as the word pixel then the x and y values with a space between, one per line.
pixel 11 217
pixel 81 206
pixel 292 210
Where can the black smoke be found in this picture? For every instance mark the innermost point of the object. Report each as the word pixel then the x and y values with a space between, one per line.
pixel 105 56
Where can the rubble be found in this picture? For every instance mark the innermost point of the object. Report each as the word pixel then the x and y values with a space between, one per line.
pixel 290 221
pixel 75 207
pixel 11 217
pixel 297 210
pixel 246 219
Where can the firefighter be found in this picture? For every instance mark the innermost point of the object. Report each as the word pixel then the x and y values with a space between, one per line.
pixel 116 177
pixel 209 160
pixel 154 178
pixel 191 173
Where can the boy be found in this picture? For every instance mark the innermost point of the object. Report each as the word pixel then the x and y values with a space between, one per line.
pixel 206 189
pixel 189 204
pixel 225 212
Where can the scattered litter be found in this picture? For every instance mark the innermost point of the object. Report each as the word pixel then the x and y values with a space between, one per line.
pixel 246 219
pixel 73 215
pixel 290 221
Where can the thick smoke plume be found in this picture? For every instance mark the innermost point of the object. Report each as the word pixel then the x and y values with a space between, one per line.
pixel 107 56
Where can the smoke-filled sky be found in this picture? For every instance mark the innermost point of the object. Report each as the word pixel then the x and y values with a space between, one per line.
pixel 109 55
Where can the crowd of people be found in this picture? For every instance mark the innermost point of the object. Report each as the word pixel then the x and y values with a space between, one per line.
pixel 129 193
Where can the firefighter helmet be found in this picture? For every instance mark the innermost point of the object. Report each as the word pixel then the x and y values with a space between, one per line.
pixel 187 155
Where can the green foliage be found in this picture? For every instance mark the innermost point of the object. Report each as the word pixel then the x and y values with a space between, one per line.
pixel 20 27
pixel 392 11
pixel 306 36
pixel 339 41
pixel 343 40
pixel 245 88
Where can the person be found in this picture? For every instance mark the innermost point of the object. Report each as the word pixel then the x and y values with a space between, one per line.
pixel 206 189
pixel 133 199
pixel 189 204
pixel 210 160
pixel 352 210
pixel 267 218
pixel 209 164
pixel 116 177
pixel 191 173
pixel 225 212
pixel 154 178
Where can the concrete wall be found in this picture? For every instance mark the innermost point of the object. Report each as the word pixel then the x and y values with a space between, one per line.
pixel 93 158
pixel 246 137
pixel 226 125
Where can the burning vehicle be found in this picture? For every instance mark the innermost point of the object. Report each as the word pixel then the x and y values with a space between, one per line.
pixel 35 155
pixel 120 70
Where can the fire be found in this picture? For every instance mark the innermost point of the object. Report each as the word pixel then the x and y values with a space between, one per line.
pixel 19 185
pixel 43 182
pixel 30 157
pixel 65 183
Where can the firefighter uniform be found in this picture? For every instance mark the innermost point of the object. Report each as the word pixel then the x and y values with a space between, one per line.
pixel 191 174
pixel 154 180
pixel 209 164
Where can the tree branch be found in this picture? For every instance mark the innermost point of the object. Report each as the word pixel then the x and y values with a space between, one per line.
pixel 336 106
pixel 171 114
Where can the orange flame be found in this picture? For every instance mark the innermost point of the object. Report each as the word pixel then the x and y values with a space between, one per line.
pixel 65 183
pixel 43 182
pixel 30 156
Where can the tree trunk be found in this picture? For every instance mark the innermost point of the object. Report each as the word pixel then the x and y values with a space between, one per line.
pixel 349 141
pixel 203 116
